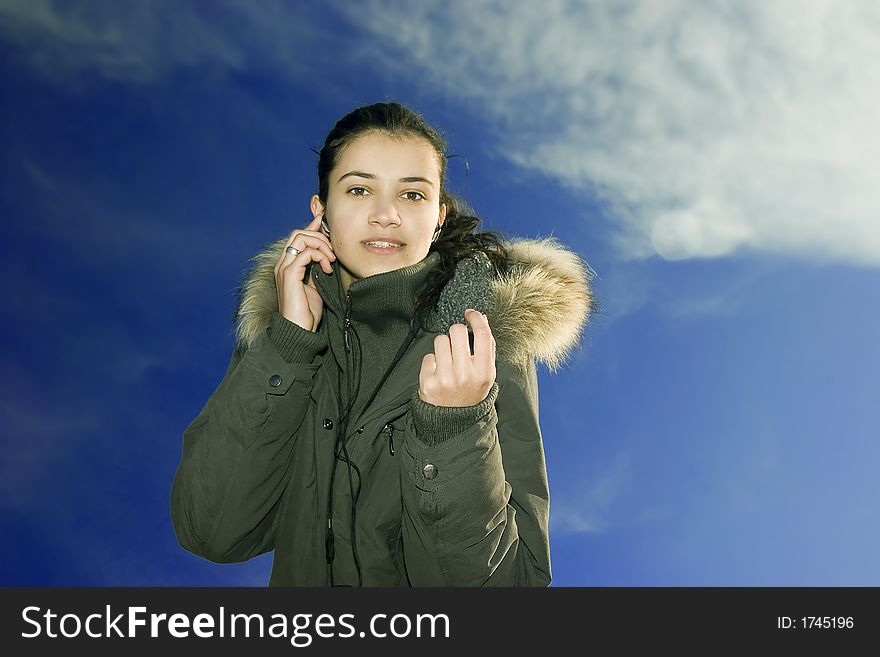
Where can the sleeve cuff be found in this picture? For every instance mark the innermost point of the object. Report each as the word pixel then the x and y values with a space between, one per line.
pixel 436 424
pixel 293 342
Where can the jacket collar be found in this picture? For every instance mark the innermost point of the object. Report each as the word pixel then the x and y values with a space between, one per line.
pixel 380 309
pixel 537 310
pixel 376 300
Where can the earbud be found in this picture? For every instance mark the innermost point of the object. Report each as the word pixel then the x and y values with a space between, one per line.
pixel 325 227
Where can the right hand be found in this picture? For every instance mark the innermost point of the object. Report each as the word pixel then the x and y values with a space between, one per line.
pixel 299 300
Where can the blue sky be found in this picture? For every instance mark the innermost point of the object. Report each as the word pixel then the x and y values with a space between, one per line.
pixel 715 164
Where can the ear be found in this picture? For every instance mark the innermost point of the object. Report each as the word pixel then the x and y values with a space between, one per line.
pixel 316 206
pixel 442 217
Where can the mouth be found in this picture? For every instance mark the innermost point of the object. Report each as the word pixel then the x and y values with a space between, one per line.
pixel 382 247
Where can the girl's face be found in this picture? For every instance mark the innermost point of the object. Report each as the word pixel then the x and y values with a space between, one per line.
pixel 382 189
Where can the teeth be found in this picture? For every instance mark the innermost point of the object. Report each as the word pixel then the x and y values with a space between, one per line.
pixel 383 245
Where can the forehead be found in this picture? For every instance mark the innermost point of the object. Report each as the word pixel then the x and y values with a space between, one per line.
pixel 391 158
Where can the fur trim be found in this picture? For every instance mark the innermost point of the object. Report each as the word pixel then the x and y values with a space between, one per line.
pixel 537 309
pixel 257 296
pixel 542 304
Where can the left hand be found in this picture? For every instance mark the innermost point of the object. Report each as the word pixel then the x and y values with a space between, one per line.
pixel 452 376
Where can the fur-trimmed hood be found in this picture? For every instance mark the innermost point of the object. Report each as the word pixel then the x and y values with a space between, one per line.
pixel 537 309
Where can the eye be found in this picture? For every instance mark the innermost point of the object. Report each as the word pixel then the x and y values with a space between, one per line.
pixel 415 199
pixel 355 188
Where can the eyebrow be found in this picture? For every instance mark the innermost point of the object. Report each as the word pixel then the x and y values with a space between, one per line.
pixel 371 176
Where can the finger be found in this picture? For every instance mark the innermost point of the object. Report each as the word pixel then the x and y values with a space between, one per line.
pixel 314 227
pixel 429 368
pixel 321 257
pixel 304 259
pixel 300 240
pixel 285 254
pixel 443 358
pixel 462 361
pixel 315 234
pixel 484 341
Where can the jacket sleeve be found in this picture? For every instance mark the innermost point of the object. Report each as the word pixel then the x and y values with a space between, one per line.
pixel 237 452
pixel 475 489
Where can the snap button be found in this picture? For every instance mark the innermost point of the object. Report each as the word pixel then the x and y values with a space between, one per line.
pixel 275 380
pixel 430 471
pixel 361 430
pixel 328 423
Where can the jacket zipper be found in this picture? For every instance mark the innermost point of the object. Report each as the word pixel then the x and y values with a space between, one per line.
pixel 390 429
pixel 347 321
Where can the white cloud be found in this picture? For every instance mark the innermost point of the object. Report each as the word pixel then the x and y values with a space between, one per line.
pixel 708 127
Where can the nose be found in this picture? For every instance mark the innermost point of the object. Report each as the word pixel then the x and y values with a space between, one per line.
pixel 385 214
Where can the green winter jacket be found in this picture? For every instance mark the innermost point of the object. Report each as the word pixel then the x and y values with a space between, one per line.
pixel 442 496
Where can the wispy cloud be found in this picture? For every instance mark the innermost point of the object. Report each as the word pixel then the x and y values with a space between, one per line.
pixel 588 507
pixel 72 42
pixel 36 440
pixel 89 213
pixel 705 127
pixel 90 396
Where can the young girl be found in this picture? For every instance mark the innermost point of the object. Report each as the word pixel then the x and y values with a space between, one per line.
pixel 378 421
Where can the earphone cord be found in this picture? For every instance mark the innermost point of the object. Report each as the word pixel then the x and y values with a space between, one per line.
pixel 330 539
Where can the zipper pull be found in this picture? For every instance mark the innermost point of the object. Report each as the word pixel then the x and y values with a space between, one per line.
pixel 329 547
pixel 390 429
pixel 347 321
